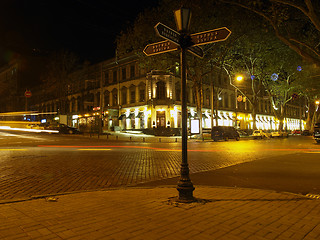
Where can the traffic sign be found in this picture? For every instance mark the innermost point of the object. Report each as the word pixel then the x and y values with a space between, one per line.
pixel 159 47
pixel 211 36
pixel 167 33
pixel 27 94
pixel 195 50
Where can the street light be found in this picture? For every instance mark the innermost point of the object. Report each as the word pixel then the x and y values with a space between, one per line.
pixel 238 78
pixel 185 186
pixel 182 17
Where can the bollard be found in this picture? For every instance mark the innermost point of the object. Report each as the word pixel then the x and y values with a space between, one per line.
pixel 107 136
pixel 116 137
pixel 176 139
pixel 159 139
pixel 130 139
pixel 143 139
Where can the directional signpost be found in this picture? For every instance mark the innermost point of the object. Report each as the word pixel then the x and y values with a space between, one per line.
pixel 211 36
pixel 160 47
pixel 167 33
pixel 185 42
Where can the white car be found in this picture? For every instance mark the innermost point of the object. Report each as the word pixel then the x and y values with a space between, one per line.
pixel 259 134
pixel 279 134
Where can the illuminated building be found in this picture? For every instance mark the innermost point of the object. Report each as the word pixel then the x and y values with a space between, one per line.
pixel 120 95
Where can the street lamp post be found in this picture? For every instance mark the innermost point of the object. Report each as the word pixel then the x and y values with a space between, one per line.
pixel 185 42
pixel 185 186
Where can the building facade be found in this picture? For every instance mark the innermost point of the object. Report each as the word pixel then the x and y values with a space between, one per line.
pixel 119 95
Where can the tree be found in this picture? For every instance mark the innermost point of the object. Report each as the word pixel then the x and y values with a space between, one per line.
pixel 295 23
pixel 206 15
pixel 57 79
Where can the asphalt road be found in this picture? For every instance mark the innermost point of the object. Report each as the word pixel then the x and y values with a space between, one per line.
pixel 42 164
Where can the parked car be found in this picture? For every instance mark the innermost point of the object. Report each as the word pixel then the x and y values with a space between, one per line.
pixel 224 133
pixel 35 126
pixel 279 134
pixel 65 129
pixel 316 132
pixel 306 132
pixel 259 134
pixel 295 132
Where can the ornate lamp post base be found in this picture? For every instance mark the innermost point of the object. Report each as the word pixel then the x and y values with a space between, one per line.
pixel 185 186
pixel 185 192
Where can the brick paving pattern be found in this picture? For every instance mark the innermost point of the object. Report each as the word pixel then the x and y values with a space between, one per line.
pixel 134 213
pixel 41 172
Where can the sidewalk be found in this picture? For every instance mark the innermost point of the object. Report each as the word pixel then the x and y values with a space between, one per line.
pixel 153 213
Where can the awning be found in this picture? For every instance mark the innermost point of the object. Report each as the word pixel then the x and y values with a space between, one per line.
pixel 258 119
pixel 229 117
pixel 222 116
pixel 140 114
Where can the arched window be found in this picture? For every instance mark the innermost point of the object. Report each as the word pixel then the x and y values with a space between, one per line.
pixel 73 104
pixel 142 92
pixel 161 90
pixel 106 98
pixel 132 90
pixel 226 100
pixel 114 97
pixel 123 95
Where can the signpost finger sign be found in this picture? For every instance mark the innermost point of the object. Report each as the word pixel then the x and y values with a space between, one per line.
pixel 160 47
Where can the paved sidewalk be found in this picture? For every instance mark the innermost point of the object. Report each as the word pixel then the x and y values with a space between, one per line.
pixel 153 213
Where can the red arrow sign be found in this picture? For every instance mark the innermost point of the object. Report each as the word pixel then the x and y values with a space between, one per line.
pixel 159 47
pixel 211 36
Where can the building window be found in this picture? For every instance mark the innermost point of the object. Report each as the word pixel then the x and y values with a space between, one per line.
pixel 106 98
pixel 106 78
pixel 124 74
pixel 161 90
pixel 132 96
pixel 114 97
pixel 114 76
pixel 132 71
pixel 226 100
pixel 142 93
pixel 124 96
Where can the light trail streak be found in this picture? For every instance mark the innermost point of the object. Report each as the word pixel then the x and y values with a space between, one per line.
pixel 27 130
pixel 13 149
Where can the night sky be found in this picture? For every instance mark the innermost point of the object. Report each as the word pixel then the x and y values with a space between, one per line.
pixel 85 27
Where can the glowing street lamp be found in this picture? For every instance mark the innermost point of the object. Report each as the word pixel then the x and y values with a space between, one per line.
pixel 182 17
pixel 239 78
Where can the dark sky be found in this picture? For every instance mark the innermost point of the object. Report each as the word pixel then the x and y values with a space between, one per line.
pixel 86 27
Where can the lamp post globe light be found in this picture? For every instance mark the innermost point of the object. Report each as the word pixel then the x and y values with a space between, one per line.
pixel 182 17
pixel 185 186
pixel 238 78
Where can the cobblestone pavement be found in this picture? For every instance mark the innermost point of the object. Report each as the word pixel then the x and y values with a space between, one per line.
pixel 136 214
pixel 88 164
